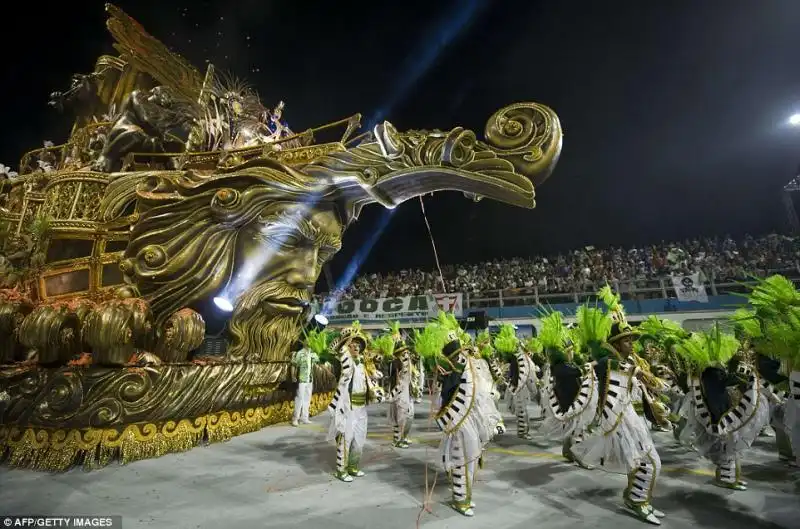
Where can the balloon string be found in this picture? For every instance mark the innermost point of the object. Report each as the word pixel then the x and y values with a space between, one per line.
pixel 433 244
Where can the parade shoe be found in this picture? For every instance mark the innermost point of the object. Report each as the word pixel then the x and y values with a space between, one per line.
pixel 295 424
pixel 356 473
pixel 525 436
pixel 570 457
pixel 739 485
pixel 462 509
pixel 306 421
pixel 401 444
pixel 643 511
pixel 657 513
pixel 344 476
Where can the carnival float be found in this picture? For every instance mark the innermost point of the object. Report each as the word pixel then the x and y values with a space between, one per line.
pixel 174 188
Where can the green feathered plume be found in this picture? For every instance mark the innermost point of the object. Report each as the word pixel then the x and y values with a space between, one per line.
pixel 484 344
pixel 746 322
pixel 319 341
pixel 774 297
pixel 506 341
pixel 554 337
pixel 713 348
pixel 534 346
pixel 448 321
pixel 384 345
pixel 781 341
pixel 594 327
pixel 664 332
pixel 429 343
pixel 613 303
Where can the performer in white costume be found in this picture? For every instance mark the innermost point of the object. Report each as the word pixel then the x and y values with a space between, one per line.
pixel 401 407
pixel 348 409
pixel 522 377
pixel 468 419
pixel 304 360
pixel 619 439
pixel 419 386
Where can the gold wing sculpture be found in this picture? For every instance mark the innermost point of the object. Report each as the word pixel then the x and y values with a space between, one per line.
pixel 151 56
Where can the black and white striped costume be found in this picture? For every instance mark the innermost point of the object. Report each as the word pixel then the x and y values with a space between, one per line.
pixel 401 407
pixel 619 438
pixel 721 434
pixel 789 428
pixel 468 421
pixel 348 409
pixel 523 387
pixel 567 394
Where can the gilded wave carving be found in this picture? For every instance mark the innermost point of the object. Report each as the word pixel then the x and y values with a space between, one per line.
pixel 112 397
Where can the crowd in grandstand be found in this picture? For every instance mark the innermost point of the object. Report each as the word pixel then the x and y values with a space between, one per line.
pixel 720 259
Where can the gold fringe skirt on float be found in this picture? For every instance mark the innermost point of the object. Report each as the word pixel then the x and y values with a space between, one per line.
pixel 57 450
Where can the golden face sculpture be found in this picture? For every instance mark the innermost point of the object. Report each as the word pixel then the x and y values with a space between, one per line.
pixel 243 237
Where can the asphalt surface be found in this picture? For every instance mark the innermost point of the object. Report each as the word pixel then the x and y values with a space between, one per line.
pixel 281 477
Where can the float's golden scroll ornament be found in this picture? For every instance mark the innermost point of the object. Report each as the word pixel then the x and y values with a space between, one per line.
pixel 174 188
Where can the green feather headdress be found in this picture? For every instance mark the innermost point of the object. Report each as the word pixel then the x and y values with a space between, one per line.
pixel 713 348
pixel 429 343
pixel 664 332
pixel 594 327
pixel 554 337
pixel 448 321
pixel 613 303
pixel 534 346
pixel 319 341
pixel 746 322
pixel 384 345
pixel 781 340
pixel 506 342
pixel 774 297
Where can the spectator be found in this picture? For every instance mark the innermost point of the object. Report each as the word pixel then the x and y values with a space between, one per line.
pixel 720 259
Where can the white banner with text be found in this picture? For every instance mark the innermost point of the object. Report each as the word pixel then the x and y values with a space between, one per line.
pixel 690 288
pixel 400 308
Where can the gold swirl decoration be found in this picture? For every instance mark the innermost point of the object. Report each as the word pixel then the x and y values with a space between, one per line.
pixel 182 332
pixel 529 136
pixel 116 328
pixel 59 449
pixel 54 331
pixel 12 314
pixel 110 397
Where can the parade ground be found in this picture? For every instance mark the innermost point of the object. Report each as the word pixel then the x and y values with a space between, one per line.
pixel 281 477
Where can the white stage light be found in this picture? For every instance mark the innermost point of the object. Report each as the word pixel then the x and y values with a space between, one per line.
pixel 223 304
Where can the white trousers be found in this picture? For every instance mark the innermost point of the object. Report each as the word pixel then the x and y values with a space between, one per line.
pixel 302 401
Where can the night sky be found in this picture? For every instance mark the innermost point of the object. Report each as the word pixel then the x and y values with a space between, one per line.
pixel 673 112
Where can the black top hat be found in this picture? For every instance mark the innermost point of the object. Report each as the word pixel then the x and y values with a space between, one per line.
pixel 620 331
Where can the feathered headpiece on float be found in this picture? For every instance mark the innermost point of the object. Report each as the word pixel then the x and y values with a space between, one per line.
pixel 554 338
pixel 506 342
pixel 593 330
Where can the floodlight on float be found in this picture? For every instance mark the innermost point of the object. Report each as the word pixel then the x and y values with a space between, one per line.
pixel 223 304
